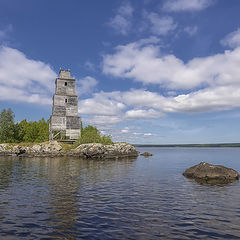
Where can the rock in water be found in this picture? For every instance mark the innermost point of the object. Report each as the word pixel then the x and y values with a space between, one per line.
pixel 18 150
pixel 99 151
pixel 209 173
pixel 88 151
pixel 146 154
pixel 21 151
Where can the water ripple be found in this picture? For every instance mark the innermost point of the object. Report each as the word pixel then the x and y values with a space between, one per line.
pixel 141 198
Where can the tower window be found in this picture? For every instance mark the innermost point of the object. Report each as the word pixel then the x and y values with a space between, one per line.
pixel 65 100
pixel 65 83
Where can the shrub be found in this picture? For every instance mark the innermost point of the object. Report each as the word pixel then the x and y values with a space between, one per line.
pixel 91 134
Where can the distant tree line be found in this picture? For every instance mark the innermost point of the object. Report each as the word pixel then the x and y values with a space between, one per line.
pixel 38 131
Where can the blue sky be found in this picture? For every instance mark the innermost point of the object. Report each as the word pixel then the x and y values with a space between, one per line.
pixel 147 71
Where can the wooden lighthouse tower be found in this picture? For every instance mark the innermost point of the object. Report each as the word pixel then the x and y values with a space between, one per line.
pixel 64 121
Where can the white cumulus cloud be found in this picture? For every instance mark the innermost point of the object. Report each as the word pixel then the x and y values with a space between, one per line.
pixel 23 79
pixel 122 21
pixel 143 113
pixel 104 122
pixel 160 25
pixel 232 39
pixel 147 134
pixel 101 104
pixel 204 100
pixel 186 5
pixel 191 30
pixel 206 84
pixel 146 64
pixel 125 130
pixel 86 85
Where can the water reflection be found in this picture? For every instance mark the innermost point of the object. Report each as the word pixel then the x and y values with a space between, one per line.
pixel 40 196
pixel 65 198
pixel 63 183
pixel 6 169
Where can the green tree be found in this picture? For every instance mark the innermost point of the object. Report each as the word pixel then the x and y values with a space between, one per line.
pixel 81 128
pixel 7 126
pixel 106 139
pixel 24 131
pixel 21 130
pixel 36 131
pixel 32 131
pixel 91 134
pixel 43 130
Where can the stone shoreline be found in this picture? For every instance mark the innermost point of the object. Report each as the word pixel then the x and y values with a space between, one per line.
pixel 86 151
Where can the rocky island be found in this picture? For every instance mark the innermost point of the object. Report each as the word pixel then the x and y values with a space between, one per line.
pixel 63 125
pixel 54 148
pixel 209 173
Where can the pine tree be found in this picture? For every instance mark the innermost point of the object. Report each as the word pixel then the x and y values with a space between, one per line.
pixel 7 126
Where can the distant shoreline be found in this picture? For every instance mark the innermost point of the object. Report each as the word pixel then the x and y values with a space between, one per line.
pixel 189 145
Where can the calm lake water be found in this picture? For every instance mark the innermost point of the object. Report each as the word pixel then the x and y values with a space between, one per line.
pixel 143 198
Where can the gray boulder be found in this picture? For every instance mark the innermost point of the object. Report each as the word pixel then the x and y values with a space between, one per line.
pixel 47 147
pixel 3 147
pixel 18 150
pixel 98 150
pixel 146 154
pixel 209 173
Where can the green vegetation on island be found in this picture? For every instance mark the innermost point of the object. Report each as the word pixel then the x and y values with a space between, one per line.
pixel 38 131
pixel 24 131
pixel 91 134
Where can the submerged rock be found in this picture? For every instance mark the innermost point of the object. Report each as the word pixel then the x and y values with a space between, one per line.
pixel 209 173
pixel 146 154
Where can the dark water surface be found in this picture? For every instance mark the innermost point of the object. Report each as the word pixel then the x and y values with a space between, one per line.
pixel 143 198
